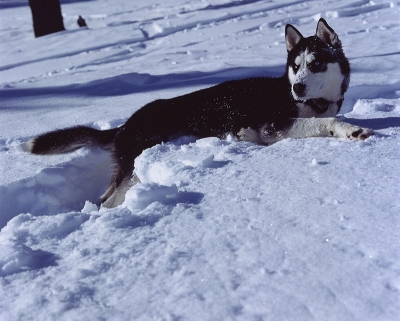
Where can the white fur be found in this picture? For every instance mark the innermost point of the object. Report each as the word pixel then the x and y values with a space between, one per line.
pixel 307 127
pixel 28 146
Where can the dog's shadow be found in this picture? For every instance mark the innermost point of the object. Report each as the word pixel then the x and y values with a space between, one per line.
pixel 147 203
pixel 133 83
pixel 374 123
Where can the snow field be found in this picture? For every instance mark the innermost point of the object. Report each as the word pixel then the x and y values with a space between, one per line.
pixel 218 229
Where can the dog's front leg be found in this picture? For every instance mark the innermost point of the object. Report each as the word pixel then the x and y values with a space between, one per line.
pixel 304 128
pixel 327 127
pixel 345 130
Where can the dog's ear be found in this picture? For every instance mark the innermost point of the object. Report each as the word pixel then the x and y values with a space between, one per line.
pixel 292 36
pixel 326 33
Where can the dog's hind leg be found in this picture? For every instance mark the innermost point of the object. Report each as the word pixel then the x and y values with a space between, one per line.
pixel 123 178
pixel 115 194
pixel 127 146
pixel 143 130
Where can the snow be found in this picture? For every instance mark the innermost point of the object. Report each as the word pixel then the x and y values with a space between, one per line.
pixel 218 229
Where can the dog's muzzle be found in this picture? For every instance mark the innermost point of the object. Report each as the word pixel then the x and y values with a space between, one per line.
pixel 299 89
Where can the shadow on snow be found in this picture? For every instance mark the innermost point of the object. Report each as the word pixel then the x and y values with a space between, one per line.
pixel 132 83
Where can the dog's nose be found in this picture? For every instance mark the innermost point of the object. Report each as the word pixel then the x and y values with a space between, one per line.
pixel 299 89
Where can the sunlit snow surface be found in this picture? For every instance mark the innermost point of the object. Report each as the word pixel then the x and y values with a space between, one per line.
pixel 219 229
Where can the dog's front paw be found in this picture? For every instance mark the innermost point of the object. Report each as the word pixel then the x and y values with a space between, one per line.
pixel 362 133
pixel 246 134
pixel 249 135
pixel 344 130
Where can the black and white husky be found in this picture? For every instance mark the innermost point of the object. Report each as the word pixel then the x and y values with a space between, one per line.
pixel 300 104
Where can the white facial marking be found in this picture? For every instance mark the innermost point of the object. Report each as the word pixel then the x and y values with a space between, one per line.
pixel 310 57
pixel 299 59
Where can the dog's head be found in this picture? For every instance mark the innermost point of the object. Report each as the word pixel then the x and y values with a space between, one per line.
pixel 317 67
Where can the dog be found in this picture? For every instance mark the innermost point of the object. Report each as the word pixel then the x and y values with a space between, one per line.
pixel 302 103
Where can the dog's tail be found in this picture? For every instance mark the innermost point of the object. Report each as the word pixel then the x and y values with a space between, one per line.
pixel 69 139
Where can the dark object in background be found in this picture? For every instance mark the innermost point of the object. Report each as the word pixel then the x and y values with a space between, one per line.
pixel 81 22
pixel 46 16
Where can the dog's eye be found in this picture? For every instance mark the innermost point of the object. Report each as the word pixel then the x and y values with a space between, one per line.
pixel 295 67
pixel 315 65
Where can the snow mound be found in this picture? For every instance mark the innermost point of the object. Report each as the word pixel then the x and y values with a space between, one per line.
pixel 57 189
pixel 17 257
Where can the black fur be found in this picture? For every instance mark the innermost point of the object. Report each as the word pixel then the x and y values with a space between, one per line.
pixel 69 139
